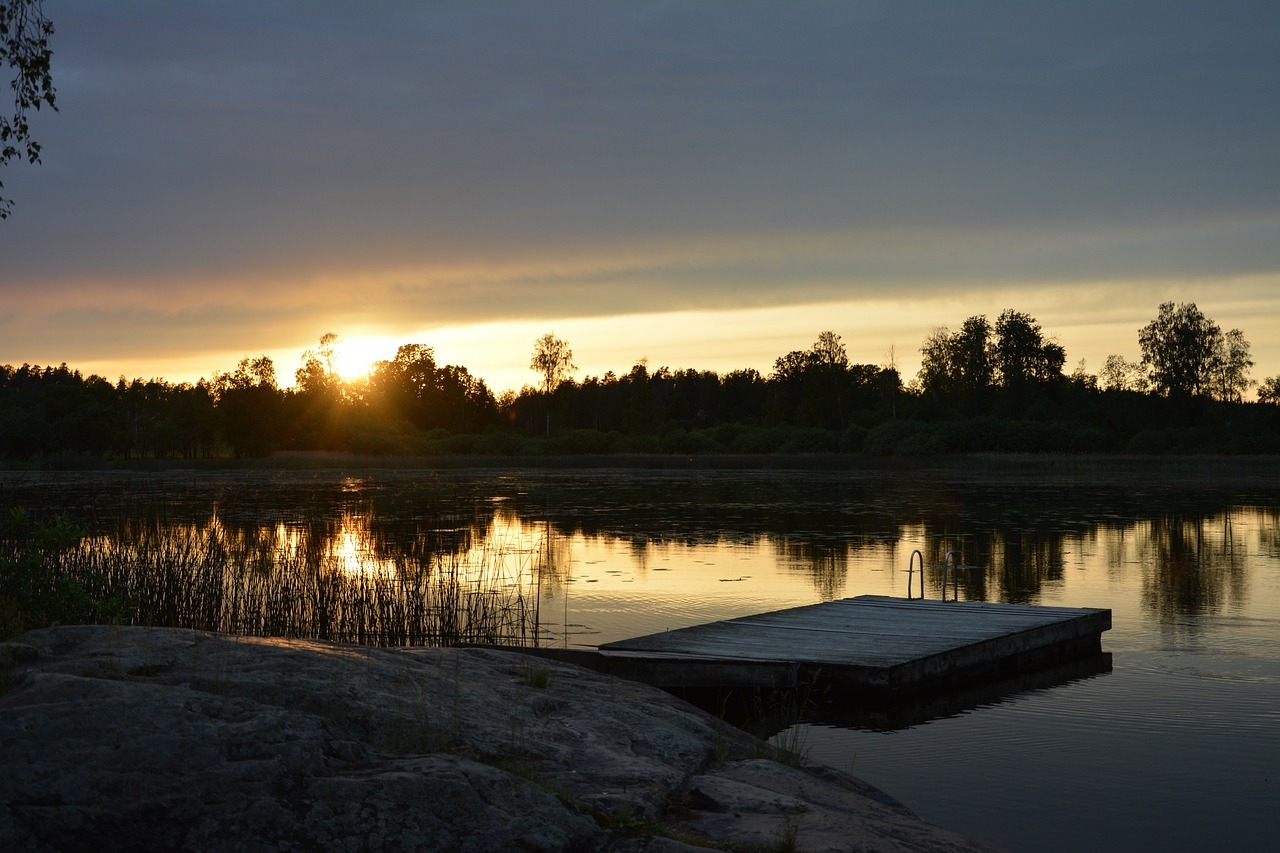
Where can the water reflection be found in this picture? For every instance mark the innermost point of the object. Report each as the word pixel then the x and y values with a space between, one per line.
pixel 826 565
pixel 1191 566
pixel 683 538
pixel 1187 555
pixel 904 714
pixel 1021 565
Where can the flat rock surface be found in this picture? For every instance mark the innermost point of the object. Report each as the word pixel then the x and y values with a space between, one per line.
pixel 162 739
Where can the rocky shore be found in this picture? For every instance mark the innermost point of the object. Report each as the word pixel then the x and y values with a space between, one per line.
pixel 160 739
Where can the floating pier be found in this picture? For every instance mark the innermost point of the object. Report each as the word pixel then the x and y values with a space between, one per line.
pixel 867 645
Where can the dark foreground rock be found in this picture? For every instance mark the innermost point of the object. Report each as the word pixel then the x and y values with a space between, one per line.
pixel 157 739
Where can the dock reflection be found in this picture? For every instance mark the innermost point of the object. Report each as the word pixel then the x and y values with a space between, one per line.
pixel 766 714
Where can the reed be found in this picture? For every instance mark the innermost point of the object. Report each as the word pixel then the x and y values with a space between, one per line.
pixel 304 582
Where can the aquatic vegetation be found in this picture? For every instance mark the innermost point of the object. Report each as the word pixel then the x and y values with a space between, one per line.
pixel 289 582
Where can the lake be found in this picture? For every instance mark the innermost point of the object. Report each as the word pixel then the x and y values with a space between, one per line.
pixel 1174 746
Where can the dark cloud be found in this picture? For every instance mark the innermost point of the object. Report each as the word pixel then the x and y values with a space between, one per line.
pixel 532 159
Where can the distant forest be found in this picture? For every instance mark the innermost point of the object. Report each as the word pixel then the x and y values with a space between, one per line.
pixel 987 387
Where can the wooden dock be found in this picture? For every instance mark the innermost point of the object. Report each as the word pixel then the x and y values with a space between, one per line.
pixel 869 644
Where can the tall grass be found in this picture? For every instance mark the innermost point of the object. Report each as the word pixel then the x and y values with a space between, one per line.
pixel 304 582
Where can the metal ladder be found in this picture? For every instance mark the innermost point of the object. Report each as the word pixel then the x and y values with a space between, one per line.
pixel 949 562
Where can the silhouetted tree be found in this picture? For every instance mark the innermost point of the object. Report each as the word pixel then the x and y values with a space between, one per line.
pixel 786 388
pixel 24 47
pixel 144 422
pixel 815 387
pixel 467 399
pixel 1178 349
pixel 891 380
pixel 830 369
pixel 1021 354
pixel 1027 369
pixel 402 385
pixel 19 431
pixel 1229 367
pixel 936 374
pixel 974 355
pixel 1081 378
pixel 640 413
pixel 1120 374
pixel 958 368
pixel 317 407
pixel 53 411
pixel 694 398
pixel 414 387
pixel 742 396
pixel 317 372
pixel 829 350
pixel 193 413
pixel 553 361
pixel 1269 390
pixel 249 403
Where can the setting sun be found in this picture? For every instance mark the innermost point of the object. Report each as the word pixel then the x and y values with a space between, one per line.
pixel 354 358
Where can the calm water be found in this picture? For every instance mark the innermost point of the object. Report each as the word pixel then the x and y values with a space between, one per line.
pixel 1177 747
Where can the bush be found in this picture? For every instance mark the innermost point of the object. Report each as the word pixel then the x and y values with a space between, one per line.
pixel 811 440
pixel 35 592
pixel 642 444
pixel 726 435
pixel 854 439
pixel 459 445
pixel 905 438
pixel 581 441
pixel 377 439
pixel 754 440
pixel 690 443
pixel 504 443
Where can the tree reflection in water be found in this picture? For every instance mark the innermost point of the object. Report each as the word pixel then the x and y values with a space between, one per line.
pixel 395 539
pixel 1191 565
pixel 825 564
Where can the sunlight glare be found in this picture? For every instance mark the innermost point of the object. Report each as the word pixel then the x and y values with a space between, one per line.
pixel 355 358
pixel 352 551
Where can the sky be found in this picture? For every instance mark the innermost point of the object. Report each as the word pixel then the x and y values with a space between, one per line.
pixel 702 185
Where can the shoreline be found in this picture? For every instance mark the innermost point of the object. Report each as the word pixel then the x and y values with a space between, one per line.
pixel 186 739
pixel 960 462
pixel 1258 473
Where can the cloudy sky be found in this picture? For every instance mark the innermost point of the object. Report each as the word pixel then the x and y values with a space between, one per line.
pixel 702 184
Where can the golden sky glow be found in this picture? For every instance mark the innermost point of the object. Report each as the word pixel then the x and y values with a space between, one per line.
pixel 706 187
pixel 1091 322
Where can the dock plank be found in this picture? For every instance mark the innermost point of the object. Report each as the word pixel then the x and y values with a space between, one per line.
pixel 871 641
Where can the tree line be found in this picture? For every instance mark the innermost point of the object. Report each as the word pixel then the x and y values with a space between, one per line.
pixel 985 387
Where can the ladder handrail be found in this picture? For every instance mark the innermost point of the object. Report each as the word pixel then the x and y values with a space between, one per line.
pixel 949 561
pixel 946 570
pixel 911 563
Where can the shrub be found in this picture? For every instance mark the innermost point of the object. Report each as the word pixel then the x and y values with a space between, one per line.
pixel 904 438
pixel 759 441
pixel 34 590
pixel 690 443
pixel 854 439
pixel 811 440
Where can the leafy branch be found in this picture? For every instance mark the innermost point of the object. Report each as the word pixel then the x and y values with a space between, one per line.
pixel 24 47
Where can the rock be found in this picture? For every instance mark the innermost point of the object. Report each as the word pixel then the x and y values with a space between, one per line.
pixel 135 738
